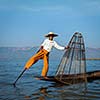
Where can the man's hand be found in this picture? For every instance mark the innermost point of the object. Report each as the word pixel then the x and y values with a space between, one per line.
pixel 67 47
pixel 41 47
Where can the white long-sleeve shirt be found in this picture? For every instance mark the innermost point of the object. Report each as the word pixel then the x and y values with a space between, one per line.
pixel 48 44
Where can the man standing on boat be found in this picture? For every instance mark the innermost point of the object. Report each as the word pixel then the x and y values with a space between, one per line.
pixel 43 53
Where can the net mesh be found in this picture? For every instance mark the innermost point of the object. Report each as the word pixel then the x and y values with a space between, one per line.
pixel 72 68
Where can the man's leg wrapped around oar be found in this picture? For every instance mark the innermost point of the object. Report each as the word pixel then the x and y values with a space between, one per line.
pixel 42 54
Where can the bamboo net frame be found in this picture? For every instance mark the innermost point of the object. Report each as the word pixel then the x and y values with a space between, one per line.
pixel 72 68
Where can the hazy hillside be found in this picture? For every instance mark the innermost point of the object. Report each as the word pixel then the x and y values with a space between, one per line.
pixel 93 52
pixel 10 53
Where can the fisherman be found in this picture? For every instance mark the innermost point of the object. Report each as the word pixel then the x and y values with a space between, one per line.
pixel 43 53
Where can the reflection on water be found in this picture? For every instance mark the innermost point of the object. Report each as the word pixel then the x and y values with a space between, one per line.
pixel 62 92
pixel 28 88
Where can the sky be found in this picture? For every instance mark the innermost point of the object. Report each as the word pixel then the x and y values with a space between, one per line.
pixel 25 22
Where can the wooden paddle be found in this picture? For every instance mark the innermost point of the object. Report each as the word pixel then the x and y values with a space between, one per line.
pixel 19 77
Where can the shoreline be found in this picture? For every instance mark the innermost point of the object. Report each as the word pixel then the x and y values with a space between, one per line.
pixel 92 58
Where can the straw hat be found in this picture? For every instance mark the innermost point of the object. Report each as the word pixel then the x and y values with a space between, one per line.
pixel 51 34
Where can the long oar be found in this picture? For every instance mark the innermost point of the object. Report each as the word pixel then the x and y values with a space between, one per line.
pixel 19 77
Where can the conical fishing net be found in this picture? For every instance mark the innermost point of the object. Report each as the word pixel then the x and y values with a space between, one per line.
pixel 72 68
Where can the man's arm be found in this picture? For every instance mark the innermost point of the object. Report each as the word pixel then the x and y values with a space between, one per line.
pixel 58 46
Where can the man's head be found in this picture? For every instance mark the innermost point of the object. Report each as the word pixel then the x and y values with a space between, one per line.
pixel 51 35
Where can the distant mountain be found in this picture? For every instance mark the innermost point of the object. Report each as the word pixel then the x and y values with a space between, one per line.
pixel 18 53
pixel 92 52
pixel 26 52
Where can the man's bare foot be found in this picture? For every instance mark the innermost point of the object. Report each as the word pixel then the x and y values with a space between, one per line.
pixel 45 77
pixel 42 77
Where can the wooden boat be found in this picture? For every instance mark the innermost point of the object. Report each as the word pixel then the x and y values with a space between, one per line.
pixel 91 76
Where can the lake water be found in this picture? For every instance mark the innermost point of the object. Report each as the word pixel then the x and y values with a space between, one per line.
pixel 28 88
